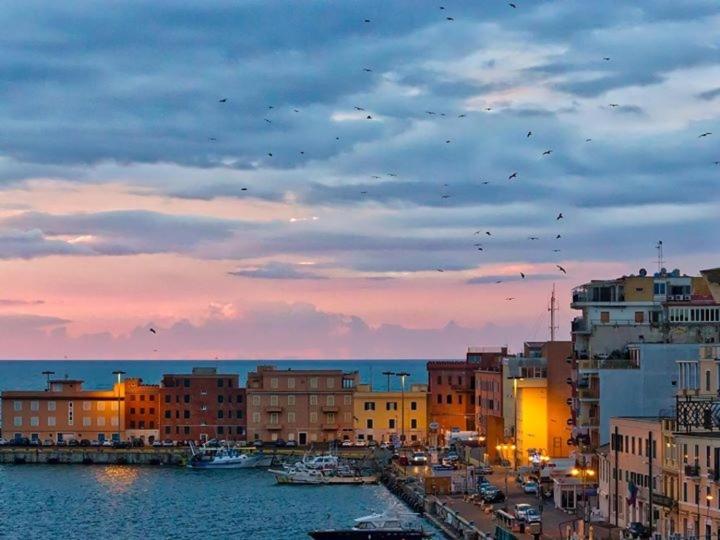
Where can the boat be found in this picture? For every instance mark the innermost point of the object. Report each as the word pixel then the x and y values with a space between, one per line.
pixel 300 475
pixel 325 462
pixel 386 526
pixel 226 458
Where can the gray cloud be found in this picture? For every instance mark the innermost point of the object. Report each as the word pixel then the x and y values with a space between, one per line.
pixel 276 270
pixel 484 280
pixel 12 302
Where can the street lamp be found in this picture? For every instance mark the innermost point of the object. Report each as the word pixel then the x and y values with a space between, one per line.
pixel 47 376
pixel 583 472
pixel 388 373
pixel 119 374
pixel 402 375
pixel 515 427
pixel 502 448
pixel 708 500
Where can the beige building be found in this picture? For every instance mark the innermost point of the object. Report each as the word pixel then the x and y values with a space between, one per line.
pixel 382 416
pixel 64 411
pixel 300 405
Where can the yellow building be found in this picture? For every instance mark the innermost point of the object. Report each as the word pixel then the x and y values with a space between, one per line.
pixel 380 416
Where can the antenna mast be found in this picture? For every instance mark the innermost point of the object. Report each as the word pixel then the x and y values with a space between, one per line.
pixel 660 259
pixel 552 309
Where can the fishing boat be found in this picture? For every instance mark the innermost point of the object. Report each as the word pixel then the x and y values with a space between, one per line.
pixel 386 526
pixel 226 458
pixel 300 475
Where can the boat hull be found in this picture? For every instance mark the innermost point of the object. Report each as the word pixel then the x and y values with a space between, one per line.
pixel 368 535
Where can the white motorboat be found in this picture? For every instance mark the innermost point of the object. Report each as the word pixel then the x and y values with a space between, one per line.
pixel 299 474
pixel 227 458
pixel 386 526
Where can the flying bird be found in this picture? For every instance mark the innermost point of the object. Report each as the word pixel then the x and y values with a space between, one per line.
pixel 547 152
pixel 449 18
pixel 588 140
pixel 529 134
pixel 270 107
pixel 716 162
pixel 510 298
pixel 268 121
pixel 446 196
pixel 152 330
pixel 367 70
pixel 367 20
pixel 561 269
pixel 429 112
pixel 485 183
pixel 488 233
pixel 391 174
pixel 522 275
pixel 358 108
pixel 488 108
pixel 513 175
pixel 462 115
pixel 223 100
pixel 556 251
pixel 447 142
pixel 213 139
pixel 512 5
pixel 704 134
pixel 480 249
pixel 533 238
pixel 499 281
pixel 614 105
pixel 376 176
pixel 606 58
pixel 559 217
pixel 368 117
pixel 270 154
pixel 302 153
pixel 363 193
pixel 440 270
pixel 295 110
pixel 558 237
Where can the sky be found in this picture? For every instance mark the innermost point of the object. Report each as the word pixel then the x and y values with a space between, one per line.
pixel 284 179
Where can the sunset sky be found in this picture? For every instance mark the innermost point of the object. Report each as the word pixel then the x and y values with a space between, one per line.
pixel 122 174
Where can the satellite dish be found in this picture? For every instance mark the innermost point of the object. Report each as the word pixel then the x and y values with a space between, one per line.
pixel 643 272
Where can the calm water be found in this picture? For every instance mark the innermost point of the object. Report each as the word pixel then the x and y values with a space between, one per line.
pixel 27 374
pixel 144 502
pixel 61 501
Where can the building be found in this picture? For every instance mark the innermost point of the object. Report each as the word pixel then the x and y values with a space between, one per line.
pixel 142 418
pixel 64 411
pixel 300 405
pixel 452 388
pixel 379 415
pixel 202 405
pixel 619 317
pixel 631 469
pixel 539 394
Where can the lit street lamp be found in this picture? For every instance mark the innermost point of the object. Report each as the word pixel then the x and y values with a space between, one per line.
pixel 119 374
pixel 583 472
pixel 47 376
pixel 402 375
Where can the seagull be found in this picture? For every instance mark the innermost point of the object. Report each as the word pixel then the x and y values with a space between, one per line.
pixel 480 249
pixel 223 100
pixel 153 330
pixel 529 134
pixel 363 193
pixel 440 270
pixel 561 269
pixel 512 5
pixel 270 107
pixel 376 176
pixel 522 275
pixel 485 183
pixel 358 108
pixel 556 251
pixel 513 175
pixel 547 152
pixel 212 139
pixel 614 105
pixel 499 281
pixel 368 117
pixel 588 140
pixel 295 110
pixel 461 115
pixel 429 112
pixel 606 58
pixel 559 217
pixel 558 237
pixel 337 138
pixel 447 142
pixel 391 174
pixel 488 108
pixel 533 238
pixel 302 153
pixel 449 18
pixel 705 134
pixel 268 121
pixel 367 70
pixel 446 196
pixel 367 20
pixel 716 162
pixel 488 233
pixel 510 298
pixel 270 154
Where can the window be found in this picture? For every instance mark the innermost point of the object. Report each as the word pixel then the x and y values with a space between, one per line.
pixel 707 380
pixel 256 417
pixel 291 417
pixel 220 413
pixel 168 414
pixel 391 406
pixel 100 405
pixel 448 400
pixel 460 399
pixel 291 382
pixel 51 421
pixel 347 399
pixel 220 383
pixel 34 405
pixel 413 423
pixel 273 401
pixel 17 421
pixel 51 405
pixel 291 400
pixel 17 405
pixel 256 401
pixel 313 417
pixel 369 405
pixel 330 382
pixel 330 401
pixel 101 421
pixel 186 398
pixel 369 423
pixel 439 398
pixel 221 430
pixel 413 405
pixel 87 421
pixel 186 383
pixel 221 399
pixel 391 423
pixel 439 379
pixel 313 382
pixel 605 316
pixel 167 398
pixel 313 400
pixel 274 383
pixel 658 288
pixel 34 421
pixel 639 317
pixel 186 414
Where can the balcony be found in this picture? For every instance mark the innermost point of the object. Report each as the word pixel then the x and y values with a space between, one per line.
pixel 588 364
pixel 663 500
pixel 330 427
pixel 692 471
pixel 330 409
pixel 273 409
pixel 589 394
pixel 273 427
pixel 580 325
pixel 713 476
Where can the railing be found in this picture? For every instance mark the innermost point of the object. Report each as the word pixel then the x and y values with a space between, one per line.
pixel 273 409
pixel 692 471
pixel 589 393
pixel 329 427
pixel 330 408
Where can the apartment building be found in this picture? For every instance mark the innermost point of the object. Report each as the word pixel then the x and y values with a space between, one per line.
pixel 631 479
pixel 142 418
pixel 202 405
pixel 300 405
pixel 64 411
pixel 452 389
pixel 390 415
pixel 620 319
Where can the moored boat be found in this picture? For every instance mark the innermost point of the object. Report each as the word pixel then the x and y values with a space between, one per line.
pixel 386 526
pixel 227 458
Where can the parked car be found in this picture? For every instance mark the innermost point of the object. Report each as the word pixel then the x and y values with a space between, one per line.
pixel 157 444
pixel 419 458
pixel 138 443
pixel 48 442
pixel 291 444
pixel 257 443
pixel 94 442
pixel 85 442
pixel 4 442
pixel 35 442
pixel 168 442
pixel 521 510
pixel 493 495
pixel 485 469
pixel 372 444
pixel 346 443
pixel 73 442
pixel 360 442
pixel 532 516
pixel 637 530
pixel 531 487
pixel 280 443
pixel 61 443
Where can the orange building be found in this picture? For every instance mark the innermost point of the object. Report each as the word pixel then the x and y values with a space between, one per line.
pixel 64 411
pixel 300 405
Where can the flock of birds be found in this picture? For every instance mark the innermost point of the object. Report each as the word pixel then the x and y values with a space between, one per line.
pixel 513 176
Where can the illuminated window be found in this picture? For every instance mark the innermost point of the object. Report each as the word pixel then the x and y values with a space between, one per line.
pixel 101 405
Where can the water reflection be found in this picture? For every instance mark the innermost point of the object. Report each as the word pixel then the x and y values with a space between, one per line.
pixel 116 478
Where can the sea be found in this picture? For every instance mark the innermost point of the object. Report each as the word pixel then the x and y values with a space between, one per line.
pixel 96 501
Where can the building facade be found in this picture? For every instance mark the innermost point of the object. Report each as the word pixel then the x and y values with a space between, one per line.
pixel 202 405
pixel 300 405
pixel 64 411
pixel 379 416
pixel 142 418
